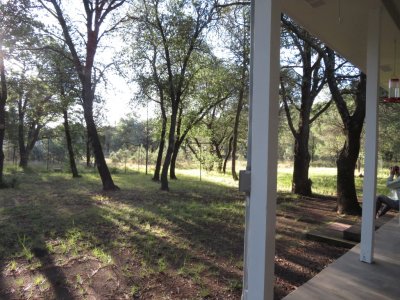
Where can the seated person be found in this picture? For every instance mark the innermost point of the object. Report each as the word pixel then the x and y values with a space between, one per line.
pixel 384 203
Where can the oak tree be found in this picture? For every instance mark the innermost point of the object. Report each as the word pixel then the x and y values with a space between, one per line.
pixel 96 15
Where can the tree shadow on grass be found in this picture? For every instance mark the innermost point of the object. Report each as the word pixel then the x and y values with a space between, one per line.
pixel 53 273
pixel 33 219
pixel 209 220
pixel 23 236
pixel 34 228
pixel 160 238
pixel 3 288
pixel 140 242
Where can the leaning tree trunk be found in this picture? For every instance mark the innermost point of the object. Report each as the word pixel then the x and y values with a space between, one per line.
pixel 172 174
pixel 71 154
pixel 301 184
pixel 105 175
pixel 228 154
pixel 177 147
pixel 3 98
pixel 157 169
pixel 219 155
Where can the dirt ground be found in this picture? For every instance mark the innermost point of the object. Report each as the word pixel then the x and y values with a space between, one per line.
pixel 210 267
pixel 298 259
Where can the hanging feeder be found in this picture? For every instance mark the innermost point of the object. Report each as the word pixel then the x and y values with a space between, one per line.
pixel 394 91
pixel 394 84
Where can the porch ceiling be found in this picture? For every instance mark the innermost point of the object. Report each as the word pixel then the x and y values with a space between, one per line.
pixel 343 25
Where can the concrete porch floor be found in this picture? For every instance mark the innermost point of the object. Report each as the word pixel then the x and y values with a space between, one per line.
pixel 348 278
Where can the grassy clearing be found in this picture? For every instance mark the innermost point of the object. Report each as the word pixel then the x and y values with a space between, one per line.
pixel 139 230
pixel 61 237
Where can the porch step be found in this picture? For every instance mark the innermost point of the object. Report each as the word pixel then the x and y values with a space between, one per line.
pixel 354 232
pixel 341 234
pixel 331 234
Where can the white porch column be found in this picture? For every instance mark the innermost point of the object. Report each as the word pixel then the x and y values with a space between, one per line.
pixel 260 226
pixel 371 138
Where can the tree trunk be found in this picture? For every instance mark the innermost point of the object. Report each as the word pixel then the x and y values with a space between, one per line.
pixel 301 184
pixel 105 175
pixel 219 155
pixel 228 154
pixel 178 142
pixel 71 154
pixel 23 160
pixel 172 174
pixel 157 169
pixel 2 132
pixel 347 201
pixel 346 163
pixel 33 136
pixel 14 158
pixel 236 132
pixel 170 151
pixel 23 153
pixel 88 151
pixel 177 146
pixel 3 98
pixel 215 144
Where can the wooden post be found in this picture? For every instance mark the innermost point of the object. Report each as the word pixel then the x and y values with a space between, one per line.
pixel 371 136
pixel 260 226
pixel 248 165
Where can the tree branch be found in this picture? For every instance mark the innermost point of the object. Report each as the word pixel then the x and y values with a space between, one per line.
pixel 287 110
pixel 326 106
pixel 237 3
pixel 329 60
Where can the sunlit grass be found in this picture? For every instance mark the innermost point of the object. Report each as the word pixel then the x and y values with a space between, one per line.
pixel 12 266
pixel 324 180
pixel 19 282
pixel 207 176
pixel 38 280
pixel 104 257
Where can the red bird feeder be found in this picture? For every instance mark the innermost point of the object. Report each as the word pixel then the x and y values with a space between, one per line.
pixel 394 82
pixel 394 91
